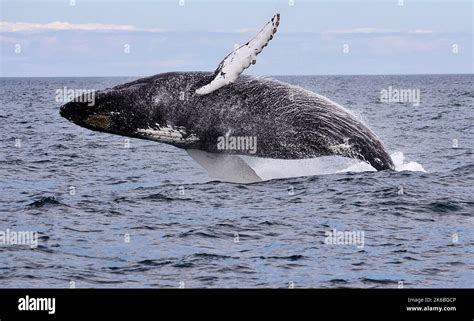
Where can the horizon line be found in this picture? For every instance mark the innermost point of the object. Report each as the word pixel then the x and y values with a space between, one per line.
pixel 276 75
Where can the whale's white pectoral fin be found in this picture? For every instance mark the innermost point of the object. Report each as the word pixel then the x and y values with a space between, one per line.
pixel 228 168
pixel 240 59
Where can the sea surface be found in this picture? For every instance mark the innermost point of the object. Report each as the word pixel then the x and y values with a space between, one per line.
pixel 112 212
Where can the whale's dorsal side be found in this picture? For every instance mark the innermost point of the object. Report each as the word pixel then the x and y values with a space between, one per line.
pixel 241 58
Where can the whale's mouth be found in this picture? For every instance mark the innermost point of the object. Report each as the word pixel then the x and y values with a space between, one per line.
pixel 82 115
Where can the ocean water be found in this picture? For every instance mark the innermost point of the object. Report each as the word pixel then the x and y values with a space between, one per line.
pixel 111 212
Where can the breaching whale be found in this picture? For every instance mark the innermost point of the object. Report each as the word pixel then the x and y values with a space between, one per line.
pixel 214 116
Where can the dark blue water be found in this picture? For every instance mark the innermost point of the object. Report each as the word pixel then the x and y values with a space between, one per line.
pixel 149 216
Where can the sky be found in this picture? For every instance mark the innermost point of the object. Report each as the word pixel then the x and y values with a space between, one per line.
pixel 59 38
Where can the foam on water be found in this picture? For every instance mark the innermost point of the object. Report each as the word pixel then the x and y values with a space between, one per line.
pixel 401 165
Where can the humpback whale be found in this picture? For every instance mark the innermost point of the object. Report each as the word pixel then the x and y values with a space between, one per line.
pixel 214 116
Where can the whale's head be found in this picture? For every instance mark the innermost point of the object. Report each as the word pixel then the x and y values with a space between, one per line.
pixel 149 108
pixel 120 110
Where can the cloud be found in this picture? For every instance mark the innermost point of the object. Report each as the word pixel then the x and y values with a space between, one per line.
pixel 375 31
pixel 6 26
pixel 247 30
pixel 24 27
pixel 372 51
pixel 421 31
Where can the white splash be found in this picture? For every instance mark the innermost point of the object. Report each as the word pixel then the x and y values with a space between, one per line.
pixel 401 165
pixel 278 168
